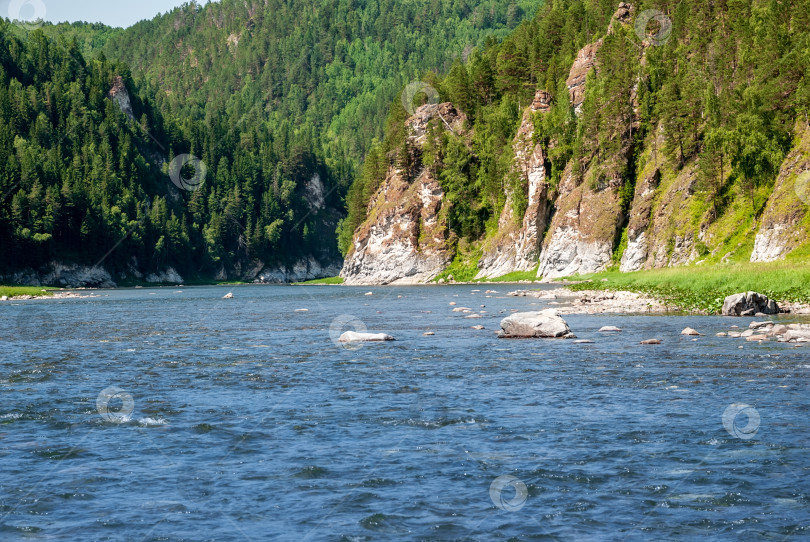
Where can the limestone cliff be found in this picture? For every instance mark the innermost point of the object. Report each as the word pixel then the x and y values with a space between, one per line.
pixel 516 246
pixel 637 205
pixel 783 223
pixel 584 228
pixel 405 236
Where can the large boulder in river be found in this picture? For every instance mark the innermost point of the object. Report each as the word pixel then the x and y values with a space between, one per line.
pixel 355 337
pixel 544 324
pixel 749 304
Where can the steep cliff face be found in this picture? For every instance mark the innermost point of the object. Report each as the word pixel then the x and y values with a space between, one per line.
pixel 638 190
pixel 404 240
pixel 584 228
pixel 584 63
pixel 516 246
pixel 784 222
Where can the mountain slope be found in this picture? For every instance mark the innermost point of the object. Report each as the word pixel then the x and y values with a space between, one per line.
pixel 277 100
pixel 660 140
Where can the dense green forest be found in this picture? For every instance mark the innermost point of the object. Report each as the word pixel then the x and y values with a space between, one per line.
pixel 724 89
pixel 266 94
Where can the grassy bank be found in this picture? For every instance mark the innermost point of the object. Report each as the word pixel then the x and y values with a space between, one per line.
pixel 14 291
pixel 327 280
pixel 703 288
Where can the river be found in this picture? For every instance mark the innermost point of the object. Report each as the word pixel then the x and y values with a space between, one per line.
pixel 174 414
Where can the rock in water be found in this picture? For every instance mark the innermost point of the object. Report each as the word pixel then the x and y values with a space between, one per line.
pixel 690 331
pixel 229 295
pixel 748 304
pixel 610 328
pixel 354 337
pixel 544 324
pixel 651 341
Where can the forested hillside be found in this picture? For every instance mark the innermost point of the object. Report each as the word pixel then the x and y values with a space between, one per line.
pixel 659 126
pixel 279 101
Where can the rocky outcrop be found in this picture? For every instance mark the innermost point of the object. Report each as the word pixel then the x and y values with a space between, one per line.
pixel 585 61
pixel 315 193
pixel 63 275
pixel 167 276
pixel 545 324
pixel 783 226
pixel 118 93
pixel 748 304
pixel 304 269
pixel 584 228
pixel 637 250
pixel 404 239
pixel 516 247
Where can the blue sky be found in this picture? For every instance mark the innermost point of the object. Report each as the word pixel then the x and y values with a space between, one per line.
pixel 110 12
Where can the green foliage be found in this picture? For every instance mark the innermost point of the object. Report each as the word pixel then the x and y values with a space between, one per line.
pixel 16 291
pixel 703 288
pixel 328 280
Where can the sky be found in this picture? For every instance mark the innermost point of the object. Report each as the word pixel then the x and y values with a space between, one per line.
pixel 109 12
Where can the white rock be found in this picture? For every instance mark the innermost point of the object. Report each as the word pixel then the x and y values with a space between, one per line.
pixel 610 328
pixel 757 325
pixel 543 324
pixel 690 331
pixel 354 336
pixel 229 295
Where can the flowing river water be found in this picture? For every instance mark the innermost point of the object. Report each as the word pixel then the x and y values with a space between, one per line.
pixel 174 414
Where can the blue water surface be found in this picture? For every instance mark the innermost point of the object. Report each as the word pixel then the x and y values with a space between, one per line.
pixel 174 414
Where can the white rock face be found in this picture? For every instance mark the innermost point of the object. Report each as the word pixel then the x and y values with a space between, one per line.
pixel 567 253
pixel 782 226
pixel 767 245
pixel 518 250
pixel 167 275
pixel 404 238
pixel 306 269
pixel 635 254
pixel 544 324
pixel 118 93
pixel 315 193
pixel 64 275
pixel 389 256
